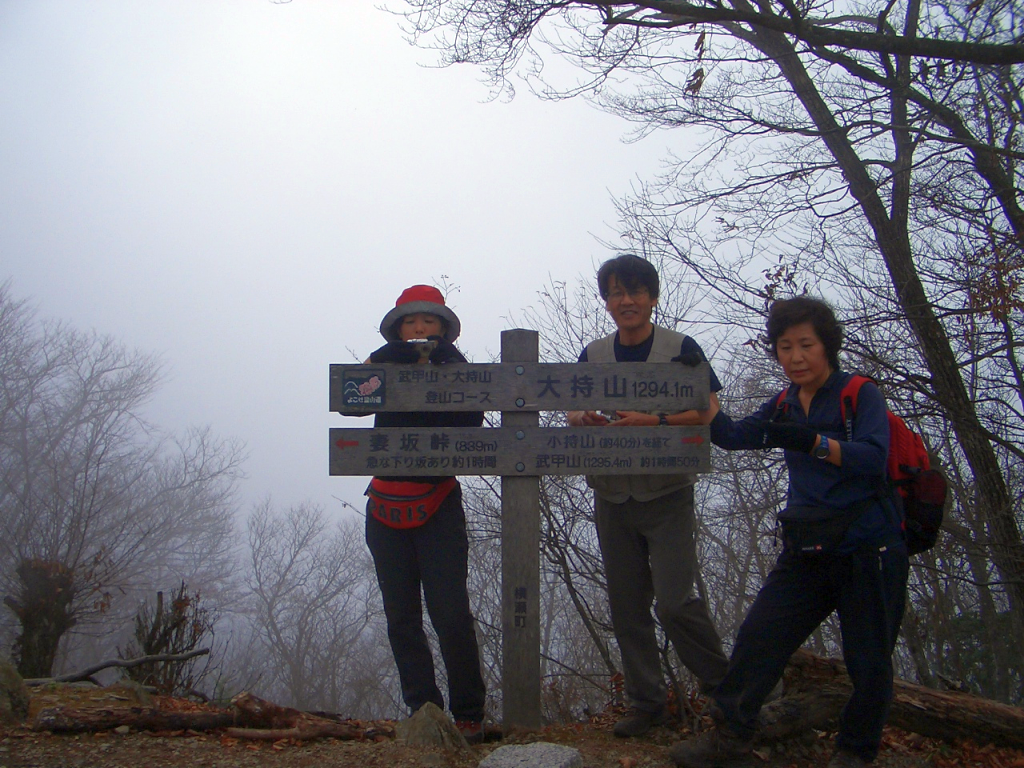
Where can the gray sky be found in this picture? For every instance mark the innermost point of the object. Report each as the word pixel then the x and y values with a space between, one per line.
pixel 245 188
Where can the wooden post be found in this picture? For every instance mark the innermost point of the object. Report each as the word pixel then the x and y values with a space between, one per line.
pixel 518 452
pixel 520 565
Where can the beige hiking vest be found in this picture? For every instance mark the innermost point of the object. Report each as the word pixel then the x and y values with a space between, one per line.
pixel 618 488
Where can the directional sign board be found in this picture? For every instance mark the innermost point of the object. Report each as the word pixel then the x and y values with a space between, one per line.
pixel 520 452
pixel 398 451
pixel 670 387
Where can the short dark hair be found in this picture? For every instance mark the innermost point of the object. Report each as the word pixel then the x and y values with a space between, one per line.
pixel 785 313
pixel 632 271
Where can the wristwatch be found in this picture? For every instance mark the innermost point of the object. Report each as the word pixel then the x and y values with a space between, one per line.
pixel 663 420
pixel 822 450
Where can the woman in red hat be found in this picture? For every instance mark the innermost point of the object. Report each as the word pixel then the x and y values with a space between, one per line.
pixel 416 531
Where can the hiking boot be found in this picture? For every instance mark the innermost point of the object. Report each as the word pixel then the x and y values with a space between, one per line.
pixel 637 722
pixel 472 731
pixel 843 759
pixel 716 748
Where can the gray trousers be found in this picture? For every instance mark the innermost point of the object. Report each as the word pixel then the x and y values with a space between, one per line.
pixel 650 553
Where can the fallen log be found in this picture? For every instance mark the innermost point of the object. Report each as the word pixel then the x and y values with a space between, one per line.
pixel 250 718
pixel 88 672
pixel 260 713
pixel 88 720
pixel 267 721
pixel 816 690
pixel 304 731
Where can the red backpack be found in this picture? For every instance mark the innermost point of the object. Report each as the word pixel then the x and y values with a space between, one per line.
pixel 921 489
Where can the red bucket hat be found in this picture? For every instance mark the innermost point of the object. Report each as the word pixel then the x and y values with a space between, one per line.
pixel 420 298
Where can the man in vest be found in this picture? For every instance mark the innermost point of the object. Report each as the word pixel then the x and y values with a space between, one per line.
pixel 645 523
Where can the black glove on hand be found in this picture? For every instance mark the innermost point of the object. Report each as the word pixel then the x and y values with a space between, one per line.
pixel 395 352
pixel 445 352
pixel 792 437
pixel 690 358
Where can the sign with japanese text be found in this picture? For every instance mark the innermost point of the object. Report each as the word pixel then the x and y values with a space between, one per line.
pixel 520 452
pixel 668 387
pixel 397 451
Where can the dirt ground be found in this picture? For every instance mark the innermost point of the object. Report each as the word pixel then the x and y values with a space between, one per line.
pixel 21 747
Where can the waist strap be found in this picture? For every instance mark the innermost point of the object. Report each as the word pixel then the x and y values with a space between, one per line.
pixel 401 504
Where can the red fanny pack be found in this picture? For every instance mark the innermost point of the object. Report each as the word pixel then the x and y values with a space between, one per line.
pixel 406 505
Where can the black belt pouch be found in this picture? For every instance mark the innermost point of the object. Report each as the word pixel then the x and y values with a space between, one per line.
pixel 816 530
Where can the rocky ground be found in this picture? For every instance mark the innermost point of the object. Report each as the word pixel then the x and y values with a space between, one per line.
pixel 21 747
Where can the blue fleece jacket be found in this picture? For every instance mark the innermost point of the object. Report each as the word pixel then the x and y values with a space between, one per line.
pixel 817 483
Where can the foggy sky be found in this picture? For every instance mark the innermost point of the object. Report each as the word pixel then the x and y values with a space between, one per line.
pixel 245 187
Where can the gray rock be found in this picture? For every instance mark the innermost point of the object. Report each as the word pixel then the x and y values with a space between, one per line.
pixel 13 694
pixel 540 754
pixel 430 727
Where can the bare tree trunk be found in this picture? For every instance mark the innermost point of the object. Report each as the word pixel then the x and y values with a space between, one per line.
pixel 557 557
pixel 43 608
pixel 817 689
pixel 72 720
pixel 85 674
pixel 993 498
pixel 252 718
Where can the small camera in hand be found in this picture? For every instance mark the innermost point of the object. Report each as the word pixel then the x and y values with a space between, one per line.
pixel 424 347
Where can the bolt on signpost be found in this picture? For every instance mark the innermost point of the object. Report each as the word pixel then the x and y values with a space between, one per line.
pixel 519 452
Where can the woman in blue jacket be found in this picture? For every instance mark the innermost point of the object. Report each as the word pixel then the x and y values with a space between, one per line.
pixel 843 545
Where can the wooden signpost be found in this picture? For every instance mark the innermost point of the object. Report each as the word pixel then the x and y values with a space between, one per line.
pixel 519 452
pixel 524 386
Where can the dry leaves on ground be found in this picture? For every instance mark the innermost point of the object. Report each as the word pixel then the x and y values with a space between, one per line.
pixel 21 747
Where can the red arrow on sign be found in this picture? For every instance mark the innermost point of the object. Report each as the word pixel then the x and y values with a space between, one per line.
pixel 693 440
pixel 347 443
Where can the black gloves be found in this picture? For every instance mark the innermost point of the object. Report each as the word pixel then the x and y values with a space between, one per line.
pixel 792 437
pixel 690 358
pixel 395 352
pixel 445 352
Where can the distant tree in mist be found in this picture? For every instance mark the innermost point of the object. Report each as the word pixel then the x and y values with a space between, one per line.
pixel 313 614
pixel 94 502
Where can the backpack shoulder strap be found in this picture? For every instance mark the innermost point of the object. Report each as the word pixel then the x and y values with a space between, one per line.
pixel 848 401
pixel 780 404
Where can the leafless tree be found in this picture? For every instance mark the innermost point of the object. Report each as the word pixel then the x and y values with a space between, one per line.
pixel 885 176
pixel 179 626
pixel 94 503
pixel 315 613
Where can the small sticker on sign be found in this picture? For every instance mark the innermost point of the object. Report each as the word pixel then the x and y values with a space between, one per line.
pixel 363 388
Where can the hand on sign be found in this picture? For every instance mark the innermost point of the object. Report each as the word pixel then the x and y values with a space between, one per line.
pixel 586 419
pixel 690 358
pixel 792 437
pixel 634 419
pixel 395 352
pixel 445 351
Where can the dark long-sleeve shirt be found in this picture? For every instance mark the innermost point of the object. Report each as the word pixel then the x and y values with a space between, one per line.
pixel 428 420
pixel 816 483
